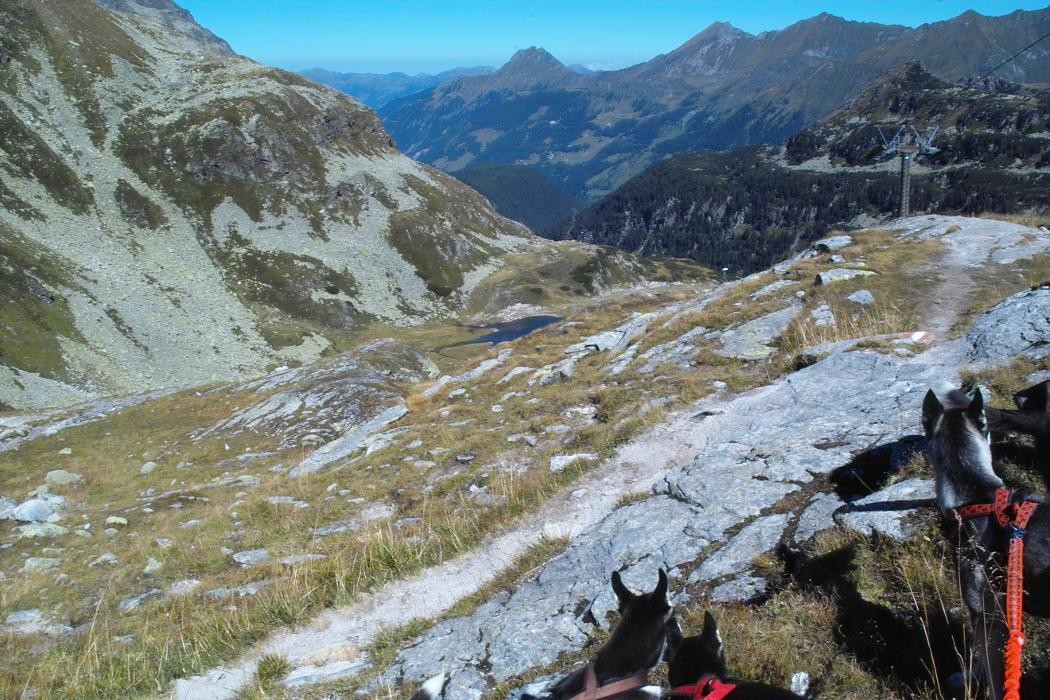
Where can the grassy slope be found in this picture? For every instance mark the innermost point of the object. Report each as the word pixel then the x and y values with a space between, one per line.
pixel 180 636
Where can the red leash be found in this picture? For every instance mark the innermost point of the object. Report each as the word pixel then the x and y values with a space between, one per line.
pixel 708 687
pixel 1012 516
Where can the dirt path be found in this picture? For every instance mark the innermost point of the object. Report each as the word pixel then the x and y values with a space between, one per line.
pixel 331 645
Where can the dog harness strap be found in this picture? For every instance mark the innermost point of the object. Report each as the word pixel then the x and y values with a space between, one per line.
pixel 593 691
pixel 1015 601
pixel 1012 517
pixel 709 687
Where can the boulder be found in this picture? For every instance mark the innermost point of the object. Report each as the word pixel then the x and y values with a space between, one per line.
pixel 616 339
pixel 38 509
pixel 832 243
pixel 35 530
pixel 862 297
pixel 60 477
pixel 840 274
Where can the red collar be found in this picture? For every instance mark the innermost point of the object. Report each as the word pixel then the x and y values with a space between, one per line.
pixel 707 688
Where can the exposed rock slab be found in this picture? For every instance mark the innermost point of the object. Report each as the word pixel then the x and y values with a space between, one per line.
pixel 1019 325
pixel 751 340
pixel 348 444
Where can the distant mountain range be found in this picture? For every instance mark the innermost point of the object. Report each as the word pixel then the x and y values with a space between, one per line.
pixel 723 88
pixel 377 89
pixel 750 206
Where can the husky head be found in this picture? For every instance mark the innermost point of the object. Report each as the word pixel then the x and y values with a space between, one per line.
pixel 1034 398
pixel 959 446
pixel 638 643
pixel 693 658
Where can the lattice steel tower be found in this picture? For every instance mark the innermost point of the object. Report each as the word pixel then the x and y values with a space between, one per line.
pixel 910 144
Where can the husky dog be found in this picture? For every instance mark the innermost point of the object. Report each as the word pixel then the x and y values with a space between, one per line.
pixel 959 447
pixel 693 658
pixel 636 646
pixel 1033 419
pixel 1034 398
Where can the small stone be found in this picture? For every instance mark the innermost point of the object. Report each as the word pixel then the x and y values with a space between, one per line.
pixel 132 602
pixel 252 557
pixel 497 408
pixel 800 294
pixel 65 451
pixel 107 558
pixel 838 259
pixel 164 542
pixel 183 587
pixel 862 297
pixel 466 457
pixel 32 622
pixel 407 522
pixel 152 566
pixel 457 393
pixel 117 520
pixel 33 564
pixel 147 468
pixel 349 525
pixel 110 532
pixel 60 477
pixel 34 530
pixel 822 316
pixel 560 462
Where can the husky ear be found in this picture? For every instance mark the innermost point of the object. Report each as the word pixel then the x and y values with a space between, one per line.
pixel 931 411
pixel 711 636
pixel 660 593
pixel 975 411
pixel 622 593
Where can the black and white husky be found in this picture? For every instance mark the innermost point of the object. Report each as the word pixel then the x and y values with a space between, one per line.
pixel 958 438
pixel 636 646
pixel 703 655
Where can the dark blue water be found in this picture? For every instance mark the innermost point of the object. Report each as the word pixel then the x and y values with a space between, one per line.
pixel 509 330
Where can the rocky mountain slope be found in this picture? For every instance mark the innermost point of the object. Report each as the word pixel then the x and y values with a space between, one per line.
pixel 377 89
pixel 723 88
pixel 746 208
pixel 406 525
pixel 173 214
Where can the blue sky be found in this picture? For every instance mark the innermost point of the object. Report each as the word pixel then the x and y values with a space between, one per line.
pixel 382 36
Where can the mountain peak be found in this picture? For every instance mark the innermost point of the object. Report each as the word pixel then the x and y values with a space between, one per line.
pixel 533 60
